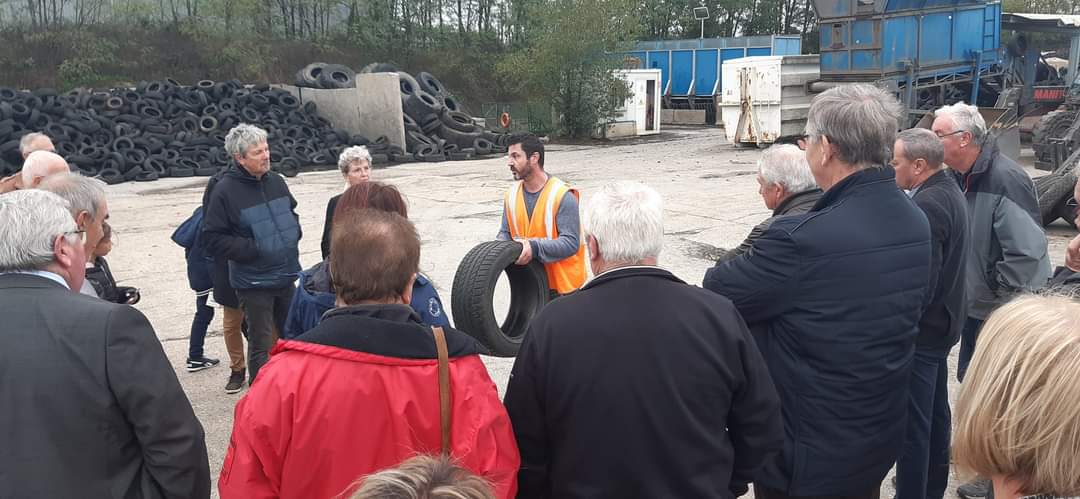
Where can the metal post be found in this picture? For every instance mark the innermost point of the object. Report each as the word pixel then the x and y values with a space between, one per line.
pixel 702 29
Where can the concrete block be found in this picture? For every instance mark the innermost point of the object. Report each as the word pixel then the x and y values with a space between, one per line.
pixel 372 109
pixel 689 117
pixel 667 116
pixel 620 129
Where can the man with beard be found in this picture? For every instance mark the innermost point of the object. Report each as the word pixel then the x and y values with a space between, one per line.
pixel 541 212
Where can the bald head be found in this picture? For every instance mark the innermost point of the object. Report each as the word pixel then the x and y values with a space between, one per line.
pixel 41 164
pixel 35 142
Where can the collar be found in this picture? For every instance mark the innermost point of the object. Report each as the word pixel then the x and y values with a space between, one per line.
pixel 386 330
pixel 52 276
pixel 792 199
pixel 630 271
pixel 394 312
pixel 853 182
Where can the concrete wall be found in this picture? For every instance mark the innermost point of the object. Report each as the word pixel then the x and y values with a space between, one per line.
pixel 372 109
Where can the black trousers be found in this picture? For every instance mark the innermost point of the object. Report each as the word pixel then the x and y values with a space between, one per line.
pixel 265 311
pixel 763 492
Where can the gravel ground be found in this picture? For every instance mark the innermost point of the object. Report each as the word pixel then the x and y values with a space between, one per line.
pixel 709 189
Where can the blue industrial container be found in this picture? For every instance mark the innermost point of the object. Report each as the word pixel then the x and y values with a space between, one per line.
pixel 894 39
pixel 691 68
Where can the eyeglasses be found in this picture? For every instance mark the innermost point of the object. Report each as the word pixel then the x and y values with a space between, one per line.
pixel 943 135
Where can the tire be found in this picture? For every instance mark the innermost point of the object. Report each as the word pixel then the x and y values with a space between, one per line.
pixel 308 76
pixel 451 103
pixel 421 104
pixel 462 139
pixel 459 121
pixel 473 293
pixel 430 84
pixel 337 76
pixel 409 85
pixel 1052 125
pixel 1053 190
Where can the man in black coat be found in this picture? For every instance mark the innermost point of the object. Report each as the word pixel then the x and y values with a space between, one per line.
pixel 91 406
pixel 252 222
pixel 923 468
pixel 639 385
pixel 837 294
pixel 786 186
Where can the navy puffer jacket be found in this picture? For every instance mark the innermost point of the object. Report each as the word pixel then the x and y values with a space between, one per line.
pixel 252 223
pixel 836 295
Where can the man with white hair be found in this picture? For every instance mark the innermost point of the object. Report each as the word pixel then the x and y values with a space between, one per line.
pixel 681 404
pixel 923 468
pixel 251 222
pixel 37 166
pixel 1008 253
pixel 87 388
pixel 85 197
pixel 835 296
pixel 35 141
pixel 786 186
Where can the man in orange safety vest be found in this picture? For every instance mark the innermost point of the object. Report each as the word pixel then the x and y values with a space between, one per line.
pixel 541 212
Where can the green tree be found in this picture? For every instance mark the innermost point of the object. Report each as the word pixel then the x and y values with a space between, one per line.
pixel 566 61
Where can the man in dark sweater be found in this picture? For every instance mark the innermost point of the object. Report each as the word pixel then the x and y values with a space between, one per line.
pixel 251 222
pixel 639 385
pixel 923 467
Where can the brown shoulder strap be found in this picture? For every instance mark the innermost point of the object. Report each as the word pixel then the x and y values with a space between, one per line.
pixel 444 387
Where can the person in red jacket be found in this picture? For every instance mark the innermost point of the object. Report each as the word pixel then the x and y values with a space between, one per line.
pixel 360 391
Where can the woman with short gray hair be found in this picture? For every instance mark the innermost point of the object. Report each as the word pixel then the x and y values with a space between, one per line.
pixel 355 165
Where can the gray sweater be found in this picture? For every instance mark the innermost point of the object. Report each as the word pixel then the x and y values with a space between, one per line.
pixel 567 223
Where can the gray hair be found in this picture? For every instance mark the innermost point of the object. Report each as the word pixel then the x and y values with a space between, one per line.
pixel 785 165
pixel 965 117
pixel 82 193
pixel 922 143
pixel 26 143
pixel 627 221
pixel 242 137
pixel 351 155
pixel 431 477
pixel 41 164
pixel 861 120
pixel 30 220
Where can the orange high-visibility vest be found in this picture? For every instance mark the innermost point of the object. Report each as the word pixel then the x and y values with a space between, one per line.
pixel 564 275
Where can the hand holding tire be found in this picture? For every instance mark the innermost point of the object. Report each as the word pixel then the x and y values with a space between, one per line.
pixel 526 255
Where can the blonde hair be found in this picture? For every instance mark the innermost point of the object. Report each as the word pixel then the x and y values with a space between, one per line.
pixel 424 477
pixel 1018 415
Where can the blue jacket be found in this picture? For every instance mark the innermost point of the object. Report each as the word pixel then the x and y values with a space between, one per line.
pixel 314 297
pixel 835 296
pixel 252 223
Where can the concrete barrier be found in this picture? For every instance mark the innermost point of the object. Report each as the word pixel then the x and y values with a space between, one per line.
pixel 372 109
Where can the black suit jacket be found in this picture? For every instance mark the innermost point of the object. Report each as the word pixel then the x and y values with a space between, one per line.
pixel 90 405
pixel 639 385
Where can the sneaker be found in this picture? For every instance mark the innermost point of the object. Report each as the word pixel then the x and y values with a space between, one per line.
pixel 236 382
pixel 977 488
pixel 199 364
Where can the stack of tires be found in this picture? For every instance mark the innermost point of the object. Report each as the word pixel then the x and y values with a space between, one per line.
pixel 325 76
pixel 1055 190
pixel 165 129
pixel 437 128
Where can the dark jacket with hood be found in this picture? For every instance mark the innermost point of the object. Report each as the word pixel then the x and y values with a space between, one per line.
pixel 252 223
pixel 795 204
pixel 839 292
pixel 1008 245
pixel 943 203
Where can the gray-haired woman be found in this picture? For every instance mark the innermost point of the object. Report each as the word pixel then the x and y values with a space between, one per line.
pixel 355 166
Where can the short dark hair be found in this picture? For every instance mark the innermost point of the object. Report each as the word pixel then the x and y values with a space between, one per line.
pixel 529 144
pixel 374 195
pixel 375 254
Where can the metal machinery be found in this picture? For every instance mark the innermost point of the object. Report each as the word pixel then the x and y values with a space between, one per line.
pixel 930 52
pixel 690 69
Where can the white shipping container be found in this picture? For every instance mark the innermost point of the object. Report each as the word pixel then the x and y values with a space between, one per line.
pixel 765 97
pixel 643 106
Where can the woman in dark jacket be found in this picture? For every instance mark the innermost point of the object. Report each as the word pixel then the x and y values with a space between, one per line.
pixel 355 166
pixel 315 295
pixel 100 276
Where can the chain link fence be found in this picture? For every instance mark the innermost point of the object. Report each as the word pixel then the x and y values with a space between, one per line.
pixel 530 117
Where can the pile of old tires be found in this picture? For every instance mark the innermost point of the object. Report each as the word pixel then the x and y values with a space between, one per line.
pixel 437 128
pixel 325 76
pixel 165 129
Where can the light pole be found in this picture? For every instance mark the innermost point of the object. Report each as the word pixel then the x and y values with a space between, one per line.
pixel 701 14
